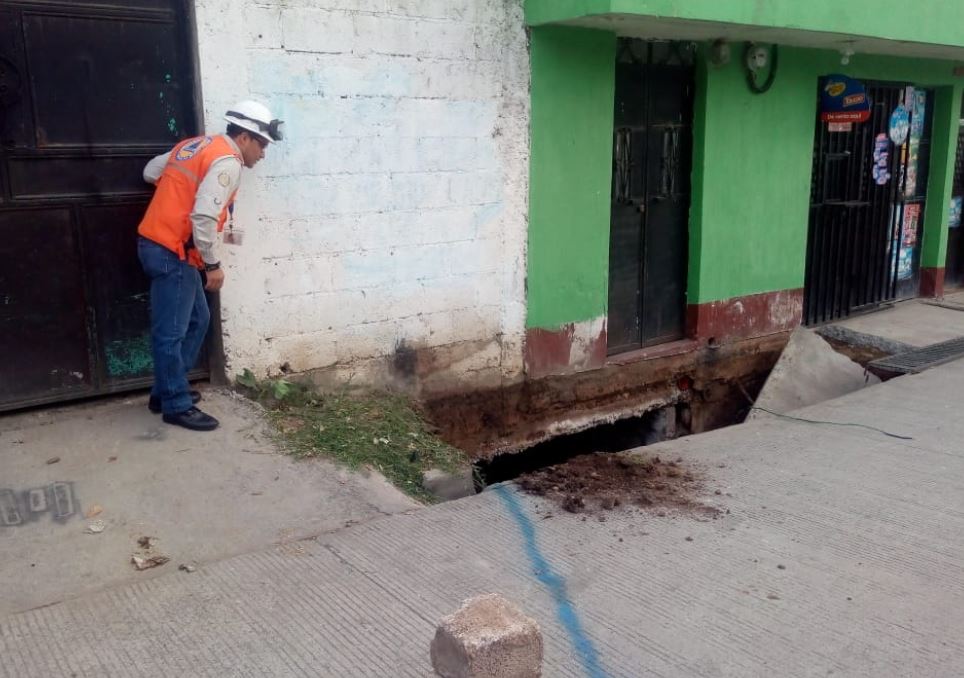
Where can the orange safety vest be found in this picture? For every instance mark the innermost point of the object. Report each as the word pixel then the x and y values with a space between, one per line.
pixel 168 218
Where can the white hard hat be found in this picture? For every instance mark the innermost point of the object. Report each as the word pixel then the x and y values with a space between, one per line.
pixel 256 118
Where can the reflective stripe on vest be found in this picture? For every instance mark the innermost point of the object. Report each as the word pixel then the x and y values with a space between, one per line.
pixel 168 218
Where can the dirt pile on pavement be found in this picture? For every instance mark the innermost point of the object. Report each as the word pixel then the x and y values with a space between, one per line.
pixel 601 482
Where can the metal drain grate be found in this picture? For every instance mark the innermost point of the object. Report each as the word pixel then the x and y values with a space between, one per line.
pixel 920 359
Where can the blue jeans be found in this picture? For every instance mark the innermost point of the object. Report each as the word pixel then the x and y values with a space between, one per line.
pixel 179 322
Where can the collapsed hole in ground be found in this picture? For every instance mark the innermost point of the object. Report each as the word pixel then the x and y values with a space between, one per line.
pixel 714 405
pixel 618 436
pixel 583 472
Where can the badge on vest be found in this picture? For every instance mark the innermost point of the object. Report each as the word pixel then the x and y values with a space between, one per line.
pixel 188 151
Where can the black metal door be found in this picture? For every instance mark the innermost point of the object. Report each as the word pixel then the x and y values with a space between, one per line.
pixel 863 246
pixel 955 238
pixel 89 91
pixel 652 150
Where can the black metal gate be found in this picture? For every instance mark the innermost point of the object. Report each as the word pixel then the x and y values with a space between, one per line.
pixel 955 237
pixel 89 91
pixel 652 151
pixel 863 247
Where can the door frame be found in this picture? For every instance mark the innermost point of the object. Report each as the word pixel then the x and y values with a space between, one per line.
pixel 686 57
pixel 217 364
pixel 835 239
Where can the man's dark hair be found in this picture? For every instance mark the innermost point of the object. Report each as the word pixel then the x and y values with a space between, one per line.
pixel 234 131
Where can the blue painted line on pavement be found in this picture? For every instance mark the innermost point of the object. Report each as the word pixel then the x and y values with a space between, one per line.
pixel 543 571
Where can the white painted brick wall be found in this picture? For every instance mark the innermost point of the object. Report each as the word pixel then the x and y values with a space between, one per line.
pixel 396 211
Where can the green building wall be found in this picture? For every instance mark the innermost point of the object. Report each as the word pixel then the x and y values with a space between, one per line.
pixel 752 166
pixel 751 181
pixel 936 22
pixel 751 170
pixel 573 89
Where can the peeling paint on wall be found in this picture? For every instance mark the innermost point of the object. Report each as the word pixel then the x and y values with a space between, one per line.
pixel 755 315
pixel 574 347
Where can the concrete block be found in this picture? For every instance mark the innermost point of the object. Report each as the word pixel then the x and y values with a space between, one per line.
pixel 312 157
pixel 388 154
pixel 440 153
pixel 314 30
pixel 302 352
pixel 449 486
pixel 363 270
pixel 439 118
pixel 274 74
pixel 356 5
pixel 385 35
pixel 317 117
pixel 421 190
pixel 456 79
pixel 464 324
pixel 368 340
pixel 487 637
pixel 329 194
pixel 297 277
pixel 431 9
pixel 310 313
pixel 313 236
pixel 263 27
pixel 410 36
pixel 477 256
pixel 476 188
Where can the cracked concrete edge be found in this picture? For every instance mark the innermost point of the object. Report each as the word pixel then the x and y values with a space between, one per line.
pixel 862 339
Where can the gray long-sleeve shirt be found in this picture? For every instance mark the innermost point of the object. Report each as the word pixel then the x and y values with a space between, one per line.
pixel 217 187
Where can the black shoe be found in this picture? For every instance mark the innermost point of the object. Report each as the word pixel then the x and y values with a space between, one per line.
pixel 193 419
pixel 154 404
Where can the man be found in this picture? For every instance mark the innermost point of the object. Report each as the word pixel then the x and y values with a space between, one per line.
pixel 196 184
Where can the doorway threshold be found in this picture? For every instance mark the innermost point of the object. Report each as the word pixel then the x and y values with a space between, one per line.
pixel 653 352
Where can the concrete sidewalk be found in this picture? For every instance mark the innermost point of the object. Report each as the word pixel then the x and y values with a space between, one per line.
pixel 913 323
pixel 840 552
pixel 201 496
